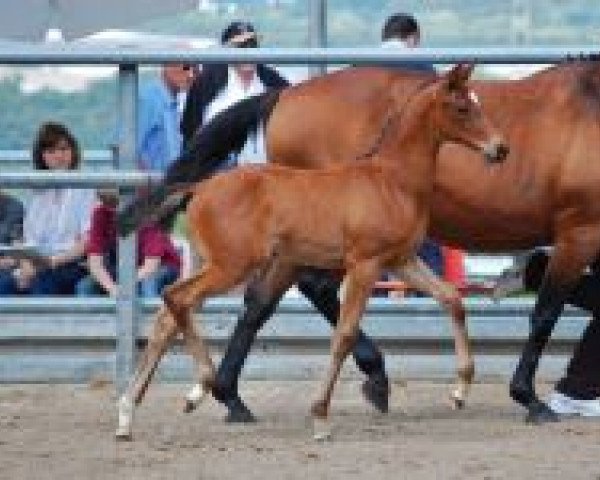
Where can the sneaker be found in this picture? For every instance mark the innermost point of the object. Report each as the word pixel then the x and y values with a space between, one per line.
pixel 561 404
pixel 510 281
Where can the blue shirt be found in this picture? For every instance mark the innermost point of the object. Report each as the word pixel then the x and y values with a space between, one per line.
pixel 159 137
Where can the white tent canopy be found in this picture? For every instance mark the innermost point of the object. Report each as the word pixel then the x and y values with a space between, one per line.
pixel 30 20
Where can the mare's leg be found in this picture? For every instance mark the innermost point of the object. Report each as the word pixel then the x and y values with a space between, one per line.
pixel 163 332
pixel 570 256
pixel 582 377
pixel 420 276
pixel 585 295
pixel 359 282
pixel 261 297
pixel 321 289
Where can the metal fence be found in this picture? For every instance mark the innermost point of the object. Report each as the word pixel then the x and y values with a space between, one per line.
pixel 128 58
pixel 75 340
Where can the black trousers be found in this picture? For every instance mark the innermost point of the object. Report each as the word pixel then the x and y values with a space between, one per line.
pixel 582 377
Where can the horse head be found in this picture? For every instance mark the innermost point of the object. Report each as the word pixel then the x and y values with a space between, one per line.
pixel 459 117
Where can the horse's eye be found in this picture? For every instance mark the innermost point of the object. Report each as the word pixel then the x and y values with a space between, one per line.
pixel 463 109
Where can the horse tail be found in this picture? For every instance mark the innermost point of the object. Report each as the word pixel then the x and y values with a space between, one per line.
pixel 209 148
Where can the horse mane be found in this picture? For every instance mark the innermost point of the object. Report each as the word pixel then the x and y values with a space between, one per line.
pixel 583 57
pixel 586 80
pixel 391 116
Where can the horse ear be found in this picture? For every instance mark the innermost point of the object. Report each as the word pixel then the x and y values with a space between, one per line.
pixel 459 75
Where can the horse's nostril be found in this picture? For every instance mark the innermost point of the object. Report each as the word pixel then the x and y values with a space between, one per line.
pixel 503 150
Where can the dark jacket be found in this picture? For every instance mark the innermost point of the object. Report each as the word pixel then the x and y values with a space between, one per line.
pixel 417 67
pixel 205 88
pixel 11 219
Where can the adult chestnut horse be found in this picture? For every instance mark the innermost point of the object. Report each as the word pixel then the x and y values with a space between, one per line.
pixel 546 192
pixel 361 218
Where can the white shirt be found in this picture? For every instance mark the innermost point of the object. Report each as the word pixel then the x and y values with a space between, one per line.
pixel 57 218
pixel 254 150
pixel 394 43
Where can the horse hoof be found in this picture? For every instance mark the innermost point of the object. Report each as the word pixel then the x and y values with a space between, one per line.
pixel 321 429
pixel 189 406
pixel 123 434
pixel 239 413
pixel 376 390
pixel 456 401
pixel 539 413
pixel 125 413
pixel 194 398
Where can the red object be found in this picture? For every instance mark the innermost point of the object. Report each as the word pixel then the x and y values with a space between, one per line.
pixel 454 266
pixel 152 242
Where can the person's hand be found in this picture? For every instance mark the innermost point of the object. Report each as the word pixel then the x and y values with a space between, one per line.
pixel 24 274
pixel 50 262
pixel 113 290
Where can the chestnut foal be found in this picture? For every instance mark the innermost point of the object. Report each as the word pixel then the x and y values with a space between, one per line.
pixel 270 221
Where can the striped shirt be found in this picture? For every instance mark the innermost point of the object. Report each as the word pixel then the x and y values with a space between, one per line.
pixel 55 219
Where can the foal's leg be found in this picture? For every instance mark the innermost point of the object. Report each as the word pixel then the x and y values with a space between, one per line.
pixel 322 290
pixel 197 349
pixel 358 288
pixel 259 304
pixel 261 297
pixel 180 299
pixel 420 276
pixel 182 296
pixel 163 332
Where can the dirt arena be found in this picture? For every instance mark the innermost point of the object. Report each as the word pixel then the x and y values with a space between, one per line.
pixel 64 432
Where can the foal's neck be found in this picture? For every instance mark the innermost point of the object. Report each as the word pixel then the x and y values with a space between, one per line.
pixel 411 149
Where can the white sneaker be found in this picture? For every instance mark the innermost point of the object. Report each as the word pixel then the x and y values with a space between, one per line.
pixel 563 405
pixel 510 281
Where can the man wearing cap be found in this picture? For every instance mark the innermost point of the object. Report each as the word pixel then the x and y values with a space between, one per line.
pixel 402 31
pixel 219 86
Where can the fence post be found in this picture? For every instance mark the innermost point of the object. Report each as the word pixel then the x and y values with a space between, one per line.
pixel 317 31
pixel 127 304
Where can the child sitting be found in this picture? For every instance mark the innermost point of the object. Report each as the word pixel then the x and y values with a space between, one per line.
pixel 158 260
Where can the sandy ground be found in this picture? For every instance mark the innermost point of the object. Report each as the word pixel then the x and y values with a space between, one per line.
pixel 64 432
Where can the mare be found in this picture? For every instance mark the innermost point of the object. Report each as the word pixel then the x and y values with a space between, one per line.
pixel 546 192
pixel 357 218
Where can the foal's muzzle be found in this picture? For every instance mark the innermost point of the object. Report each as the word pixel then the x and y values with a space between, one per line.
pixel 496 151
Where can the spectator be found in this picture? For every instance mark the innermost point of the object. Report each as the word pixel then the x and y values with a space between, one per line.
pixel 159 117
pixel 401 30
pixel 220 86
pixel 56 223
pixel 578 391
pixel 159 262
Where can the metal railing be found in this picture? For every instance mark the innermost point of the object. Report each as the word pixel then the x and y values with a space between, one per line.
pixel 74 340
pixel 13 160
pixel 128 58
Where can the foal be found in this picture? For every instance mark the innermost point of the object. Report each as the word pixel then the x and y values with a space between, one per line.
pixel 363 218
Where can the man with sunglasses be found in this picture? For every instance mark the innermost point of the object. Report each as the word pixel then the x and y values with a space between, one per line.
pixel 159 116
pixel 219 86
